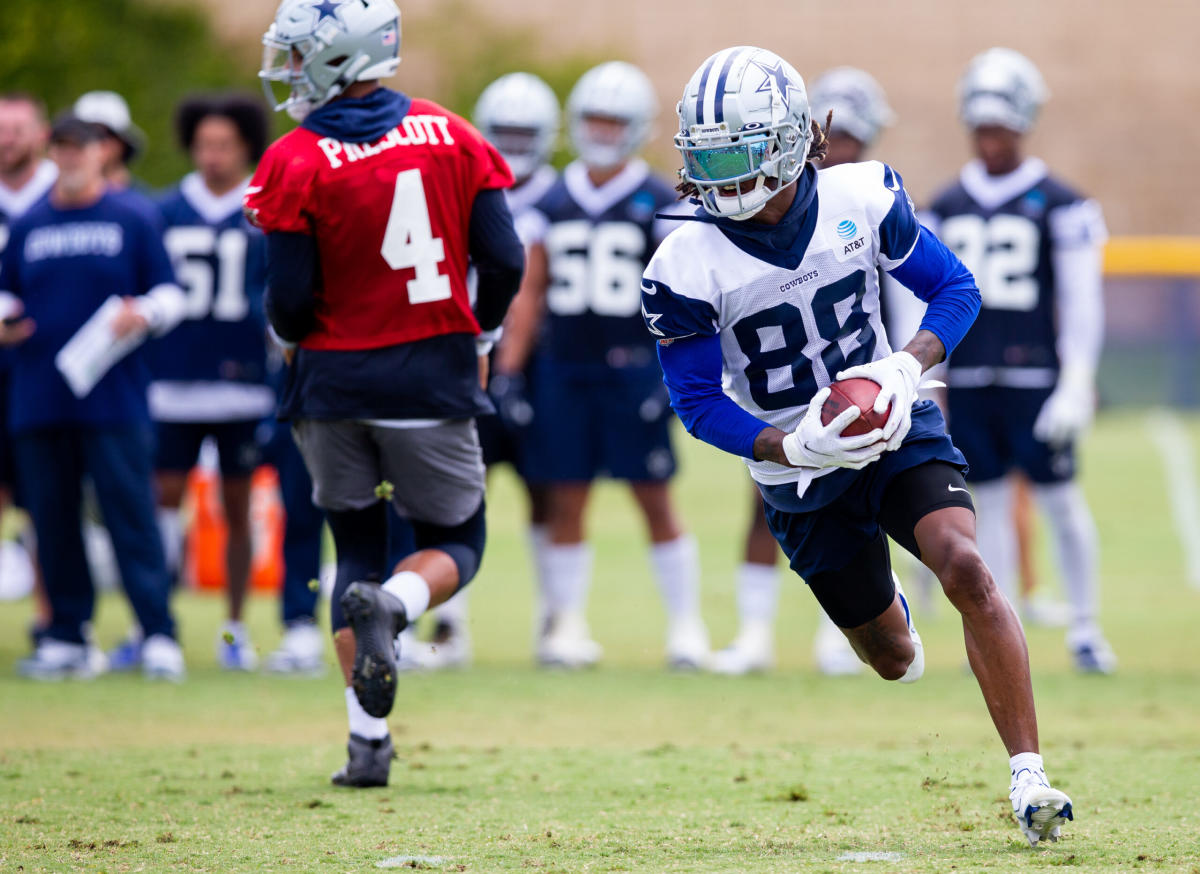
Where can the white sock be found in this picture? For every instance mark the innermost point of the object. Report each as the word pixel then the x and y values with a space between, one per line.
pixel 995 531
pixel 361 723
pixel 412 590
pixel 757 593
pixel 454 611
pixel 1077 547
pixel 568 577
pixel 170 531
pixel 677 570
pixel 1026 762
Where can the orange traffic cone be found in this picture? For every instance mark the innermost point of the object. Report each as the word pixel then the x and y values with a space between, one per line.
pixel 266 531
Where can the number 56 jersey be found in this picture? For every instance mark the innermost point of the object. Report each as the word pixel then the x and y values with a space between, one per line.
pixel 788 318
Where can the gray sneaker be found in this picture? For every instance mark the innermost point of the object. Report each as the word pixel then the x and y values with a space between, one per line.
pixel 368 764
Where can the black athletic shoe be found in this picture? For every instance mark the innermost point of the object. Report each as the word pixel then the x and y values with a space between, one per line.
pixel 376 617
pixel 369 762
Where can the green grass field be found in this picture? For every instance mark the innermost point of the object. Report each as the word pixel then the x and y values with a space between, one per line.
pixel 629 768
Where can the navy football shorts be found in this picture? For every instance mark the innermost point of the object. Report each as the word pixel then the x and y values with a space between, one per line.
pixel 825 538
pixel 595 420
pixel 993 427
pixel 237 444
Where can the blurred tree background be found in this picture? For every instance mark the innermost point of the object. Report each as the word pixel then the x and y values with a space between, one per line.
pixel 155 53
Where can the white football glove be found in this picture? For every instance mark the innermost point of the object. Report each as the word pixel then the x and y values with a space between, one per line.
pixel 899 376
pixel 1068 411
pixel 817 445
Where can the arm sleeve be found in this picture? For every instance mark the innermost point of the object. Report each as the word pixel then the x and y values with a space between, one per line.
pixel 935 275
pixel 161 302
pixel 1078 235
pixel 692 371
pixel 292 283
pixel 497 255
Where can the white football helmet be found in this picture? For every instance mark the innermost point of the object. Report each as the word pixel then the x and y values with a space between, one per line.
pixel 318 47
pixel 618 91
pixel 519 115
pixel 860 108
pixel 1001 87
pixel 744 117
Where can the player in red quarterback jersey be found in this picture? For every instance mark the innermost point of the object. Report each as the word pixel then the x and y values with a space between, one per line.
pixel 372 208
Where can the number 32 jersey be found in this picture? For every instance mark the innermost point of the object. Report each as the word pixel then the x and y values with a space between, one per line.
pixel 1007 230
pixel 787 325
pixel 598 241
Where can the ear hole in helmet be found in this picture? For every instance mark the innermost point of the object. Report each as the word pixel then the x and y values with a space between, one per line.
pixel 334 63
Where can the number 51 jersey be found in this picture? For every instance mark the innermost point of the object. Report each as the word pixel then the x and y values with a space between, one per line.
pixel 788 320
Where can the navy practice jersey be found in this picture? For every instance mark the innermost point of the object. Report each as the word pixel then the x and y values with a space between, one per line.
pixel 221 262
pixel 598 242
pixel 1006 230
pixel 64 264
pixel 14 204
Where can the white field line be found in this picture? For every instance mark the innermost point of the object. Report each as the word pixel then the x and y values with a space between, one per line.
pixel 1168 435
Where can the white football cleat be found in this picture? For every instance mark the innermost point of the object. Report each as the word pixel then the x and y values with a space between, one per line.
pixel 162 659
pixel 687 644
pixel 567 643
pixel 1090 652
pixel 1039 808
pixel 917 668
pixel 752 651
pixel 234 650
pixel 59 659
pixel 834 655
pixel 301 651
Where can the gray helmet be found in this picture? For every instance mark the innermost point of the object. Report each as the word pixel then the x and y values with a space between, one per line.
pixel 1001 87
pixel 744 116
pixel 319 47
pixel 860 108
pixel 518 114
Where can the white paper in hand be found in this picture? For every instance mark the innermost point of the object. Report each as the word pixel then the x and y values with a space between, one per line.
pixel 94 349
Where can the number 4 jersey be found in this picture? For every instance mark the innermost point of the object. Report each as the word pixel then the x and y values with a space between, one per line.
pixel 788 320
pixel 212 367
pixel 1010 232
pixel 390 218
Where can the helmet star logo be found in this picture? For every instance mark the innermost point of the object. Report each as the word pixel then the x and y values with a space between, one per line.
pixel 779 78
pixel 327 9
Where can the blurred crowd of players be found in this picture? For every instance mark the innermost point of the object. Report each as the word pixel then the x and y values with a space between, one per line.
pixel 575 380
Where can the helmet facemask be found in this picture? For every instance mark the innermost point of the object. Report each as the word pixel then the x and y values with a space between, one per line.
pixel 719 163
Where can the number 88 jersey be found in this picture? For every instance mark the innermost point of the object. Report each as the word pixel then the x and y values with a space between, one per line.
pixel 1007 231
pixel 597 242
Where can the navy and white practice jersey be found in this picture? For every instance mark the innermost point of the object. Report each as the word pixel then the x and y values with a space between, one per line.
pixel 598 241
pixel 1010 231
pixel 212 367
pixel 788 321
pixel 13 204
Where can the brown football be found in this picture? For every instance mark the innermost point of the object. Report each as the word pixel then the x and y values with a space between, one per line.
pixel 859 393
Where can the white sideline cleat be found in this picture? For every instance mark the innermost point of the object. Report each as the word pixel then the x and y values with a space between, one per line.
pixel 687 644
pixel 567 643
pixel 917 668
pixel 162 659
pixel 59 659
pixel 834 655
pixel 752 651
pixel 301 651
pixel 1090 652
pixel 1040 809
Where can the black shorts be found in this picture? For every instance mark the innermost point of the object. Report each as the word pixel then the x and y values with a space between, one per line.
pixel 237 446
pixel 862 588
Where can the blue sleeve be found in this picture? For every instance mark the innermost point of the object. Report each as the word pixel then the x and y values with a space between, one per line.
pixel 692 371
pixel 498 256
pixel 292 280
pixel 899 229
pixel 154 266
pixel 935 275
pixel 672 315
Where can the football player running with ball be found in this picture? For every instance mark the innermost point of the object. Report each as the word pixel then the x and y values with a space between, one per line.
pixel 1022 383
pixel 772 286
pixel 371 209
pixel 605 411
